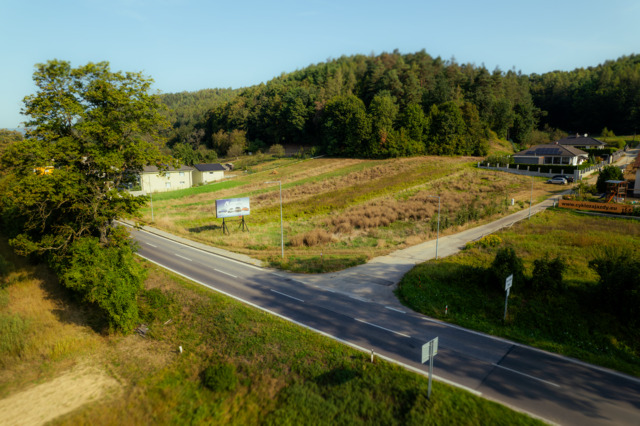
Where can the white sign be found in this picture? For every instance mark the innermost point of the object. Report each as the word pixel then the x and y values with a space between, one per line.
pixel 508 283
pixel 427 348
pixel 232 207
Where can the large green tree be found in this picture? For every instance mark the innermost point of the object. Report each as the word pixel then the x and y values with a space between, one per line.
pixel 98 129
pixel 91 131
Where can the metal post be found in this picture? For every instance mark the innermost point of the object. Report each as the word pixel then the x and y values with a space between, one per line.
pixel 506 300
pixel 281 220
pixel 430 370
pixel 438 229
pixel 531 199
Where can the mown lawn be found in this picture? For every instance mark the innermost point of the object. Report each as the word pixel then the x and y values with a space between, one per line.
pixel 283 374
pixel 569 322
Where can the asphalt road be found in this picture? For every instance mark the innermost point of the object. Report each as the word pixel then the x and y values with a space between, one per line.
pixel 554 388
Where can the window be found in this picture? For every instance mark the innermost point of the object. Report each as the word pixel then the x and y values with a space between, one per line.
pixel 167 185
pixel 181 174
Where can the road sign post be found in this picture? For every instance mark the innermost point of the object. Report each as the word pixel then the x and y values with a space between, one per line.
pixel 429 350
pixel 507 286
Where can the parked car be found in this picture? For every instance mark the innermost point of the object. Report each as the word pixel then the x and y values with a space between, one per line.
pixel 568 178
pixel 558 180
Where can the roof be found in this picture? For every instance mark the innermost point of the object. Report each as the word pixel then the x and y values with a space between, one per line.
pixel 550 149
pixel 581 140
pixel 154 169
pixel 209 167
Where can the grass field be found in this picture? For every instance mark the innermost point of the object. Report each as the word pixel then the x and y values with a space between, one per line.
pixel 345 210
pixel 568 322
pixel 278 373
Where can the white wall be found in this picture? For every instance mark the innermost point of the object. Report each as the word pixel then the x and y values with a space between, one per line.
pixel 206 177
pixel 171 180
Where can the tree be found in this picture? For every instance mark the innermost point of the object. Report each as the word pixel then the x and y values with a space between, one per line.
pixel 97 129
pixel 608 173
pixel 347 126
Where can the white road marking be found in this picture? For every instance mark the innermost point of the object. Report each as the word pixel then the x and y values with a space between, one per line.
pixel 394 309
pixel 528 375
pixel 386 329
pixel 152 245
pixel 185 258
pixel 226 273
pixel 286 295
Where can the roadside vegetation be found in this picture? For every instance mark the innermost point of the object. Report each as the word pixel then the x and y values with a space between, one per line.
pixel 341 212
pixel 575 287
pixel 238 365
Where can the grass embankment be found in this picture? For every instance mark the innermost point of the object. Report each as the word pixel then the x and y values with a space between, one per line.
pixel 341 212
pixel 283 374
pixel 568 322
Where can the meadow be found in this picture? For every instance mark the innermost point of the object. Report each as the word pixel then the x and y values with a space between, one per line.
pixel 238 365
pixel 344 211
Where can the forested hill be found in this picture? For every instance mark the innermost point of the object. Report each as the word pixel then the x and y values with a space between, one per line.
pixel 187 112
pixel 405 104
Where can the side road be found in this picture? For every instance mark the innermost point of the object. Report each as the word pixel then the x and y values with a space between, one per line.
pixel 376 280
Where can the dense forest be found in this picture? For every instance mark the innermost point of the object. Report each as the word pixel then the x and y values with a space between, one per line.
pixel 405 104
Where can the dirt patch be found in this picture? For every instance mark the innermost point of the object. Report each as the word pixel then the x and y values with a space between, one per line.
pixel 47 401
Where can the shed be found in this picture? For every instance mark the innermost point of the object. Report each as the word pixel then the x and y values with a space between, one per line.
pixel 207 172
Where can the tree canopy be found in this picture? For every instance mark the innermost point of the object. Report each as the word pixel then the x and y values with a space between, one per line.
pixel 90 132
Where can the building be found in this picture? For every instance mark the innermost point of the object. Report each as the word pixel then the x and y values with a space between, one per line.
pixel 152 180
pixel 582 142
pixel 207 172
pixel 551 154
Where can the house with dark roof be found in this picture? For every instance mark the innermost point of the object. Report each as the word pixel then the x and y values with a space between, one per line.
pixel 582 142
pixel 551 154
pixel 207 172
pixel 153 180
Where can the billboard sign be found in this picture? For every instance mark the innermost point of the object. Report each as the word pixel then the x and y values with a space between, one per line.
pixel 232 207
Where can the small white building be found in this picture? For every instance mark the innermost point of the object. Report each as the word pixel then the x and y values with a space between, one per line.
pixel 207 172
pixel 152 180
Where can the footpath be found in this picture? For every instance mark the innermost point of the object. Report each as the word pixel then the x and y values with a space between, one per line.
pixel 376 280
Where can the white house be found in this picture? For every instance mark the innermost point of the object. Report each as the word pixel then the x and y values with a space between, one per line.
pixel 152 180
pixel 207 172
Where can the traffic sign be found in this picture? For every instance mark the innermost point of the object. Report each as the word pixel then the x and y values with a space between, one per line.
pixel 429 349
pixel 509 282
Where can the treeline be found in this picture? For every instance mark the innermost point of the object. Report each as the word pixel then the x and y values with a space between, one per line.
pixel 187 113
pixel 409 104
pixel 380 106
pixel 589 100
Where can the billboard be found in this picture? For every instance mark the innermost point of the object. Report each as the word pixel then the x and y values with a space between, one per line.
pixel 232 207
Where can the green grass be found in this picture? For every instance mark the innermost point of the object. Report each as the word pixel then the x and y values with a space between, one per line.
pixel 276 372
pixel 567 322
pixel 203 189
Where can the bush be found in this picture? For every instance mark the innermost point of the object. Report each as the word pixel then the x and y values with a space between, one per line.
pixel 485 242
pixel 311 238
pixel 220 378
pixel 547 275
pixel 276 150
pixel 608 173
pixel 504 264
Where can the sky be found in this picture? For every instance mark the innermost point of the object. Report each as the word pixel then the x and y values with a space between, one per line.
pixel 188 45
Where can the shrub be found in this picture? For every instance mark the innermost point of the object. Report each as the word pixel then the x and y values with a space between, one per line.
pixel 608 173
pixel 504 264
pixel 220 378
pixel 312 238
pixel 276 150
pixel 547 275
pixel 485 242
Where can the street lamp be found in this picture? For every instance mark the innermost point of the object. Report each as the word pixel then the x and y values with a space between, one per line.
pixel 281 223
pixel 438 234
pixel 531 199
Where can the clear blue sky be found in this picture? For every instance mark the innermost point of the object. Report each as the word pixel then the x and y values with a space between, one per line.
pixel 187 45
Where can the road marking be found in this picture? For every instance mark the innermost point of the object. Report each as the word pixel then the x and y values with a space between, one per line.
pixel 527 375
pixel 358 299
pixel 394 309
pixel 380 327
pixel 185 258
pixel 152 245
pixel 226 273
pixel 286 295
